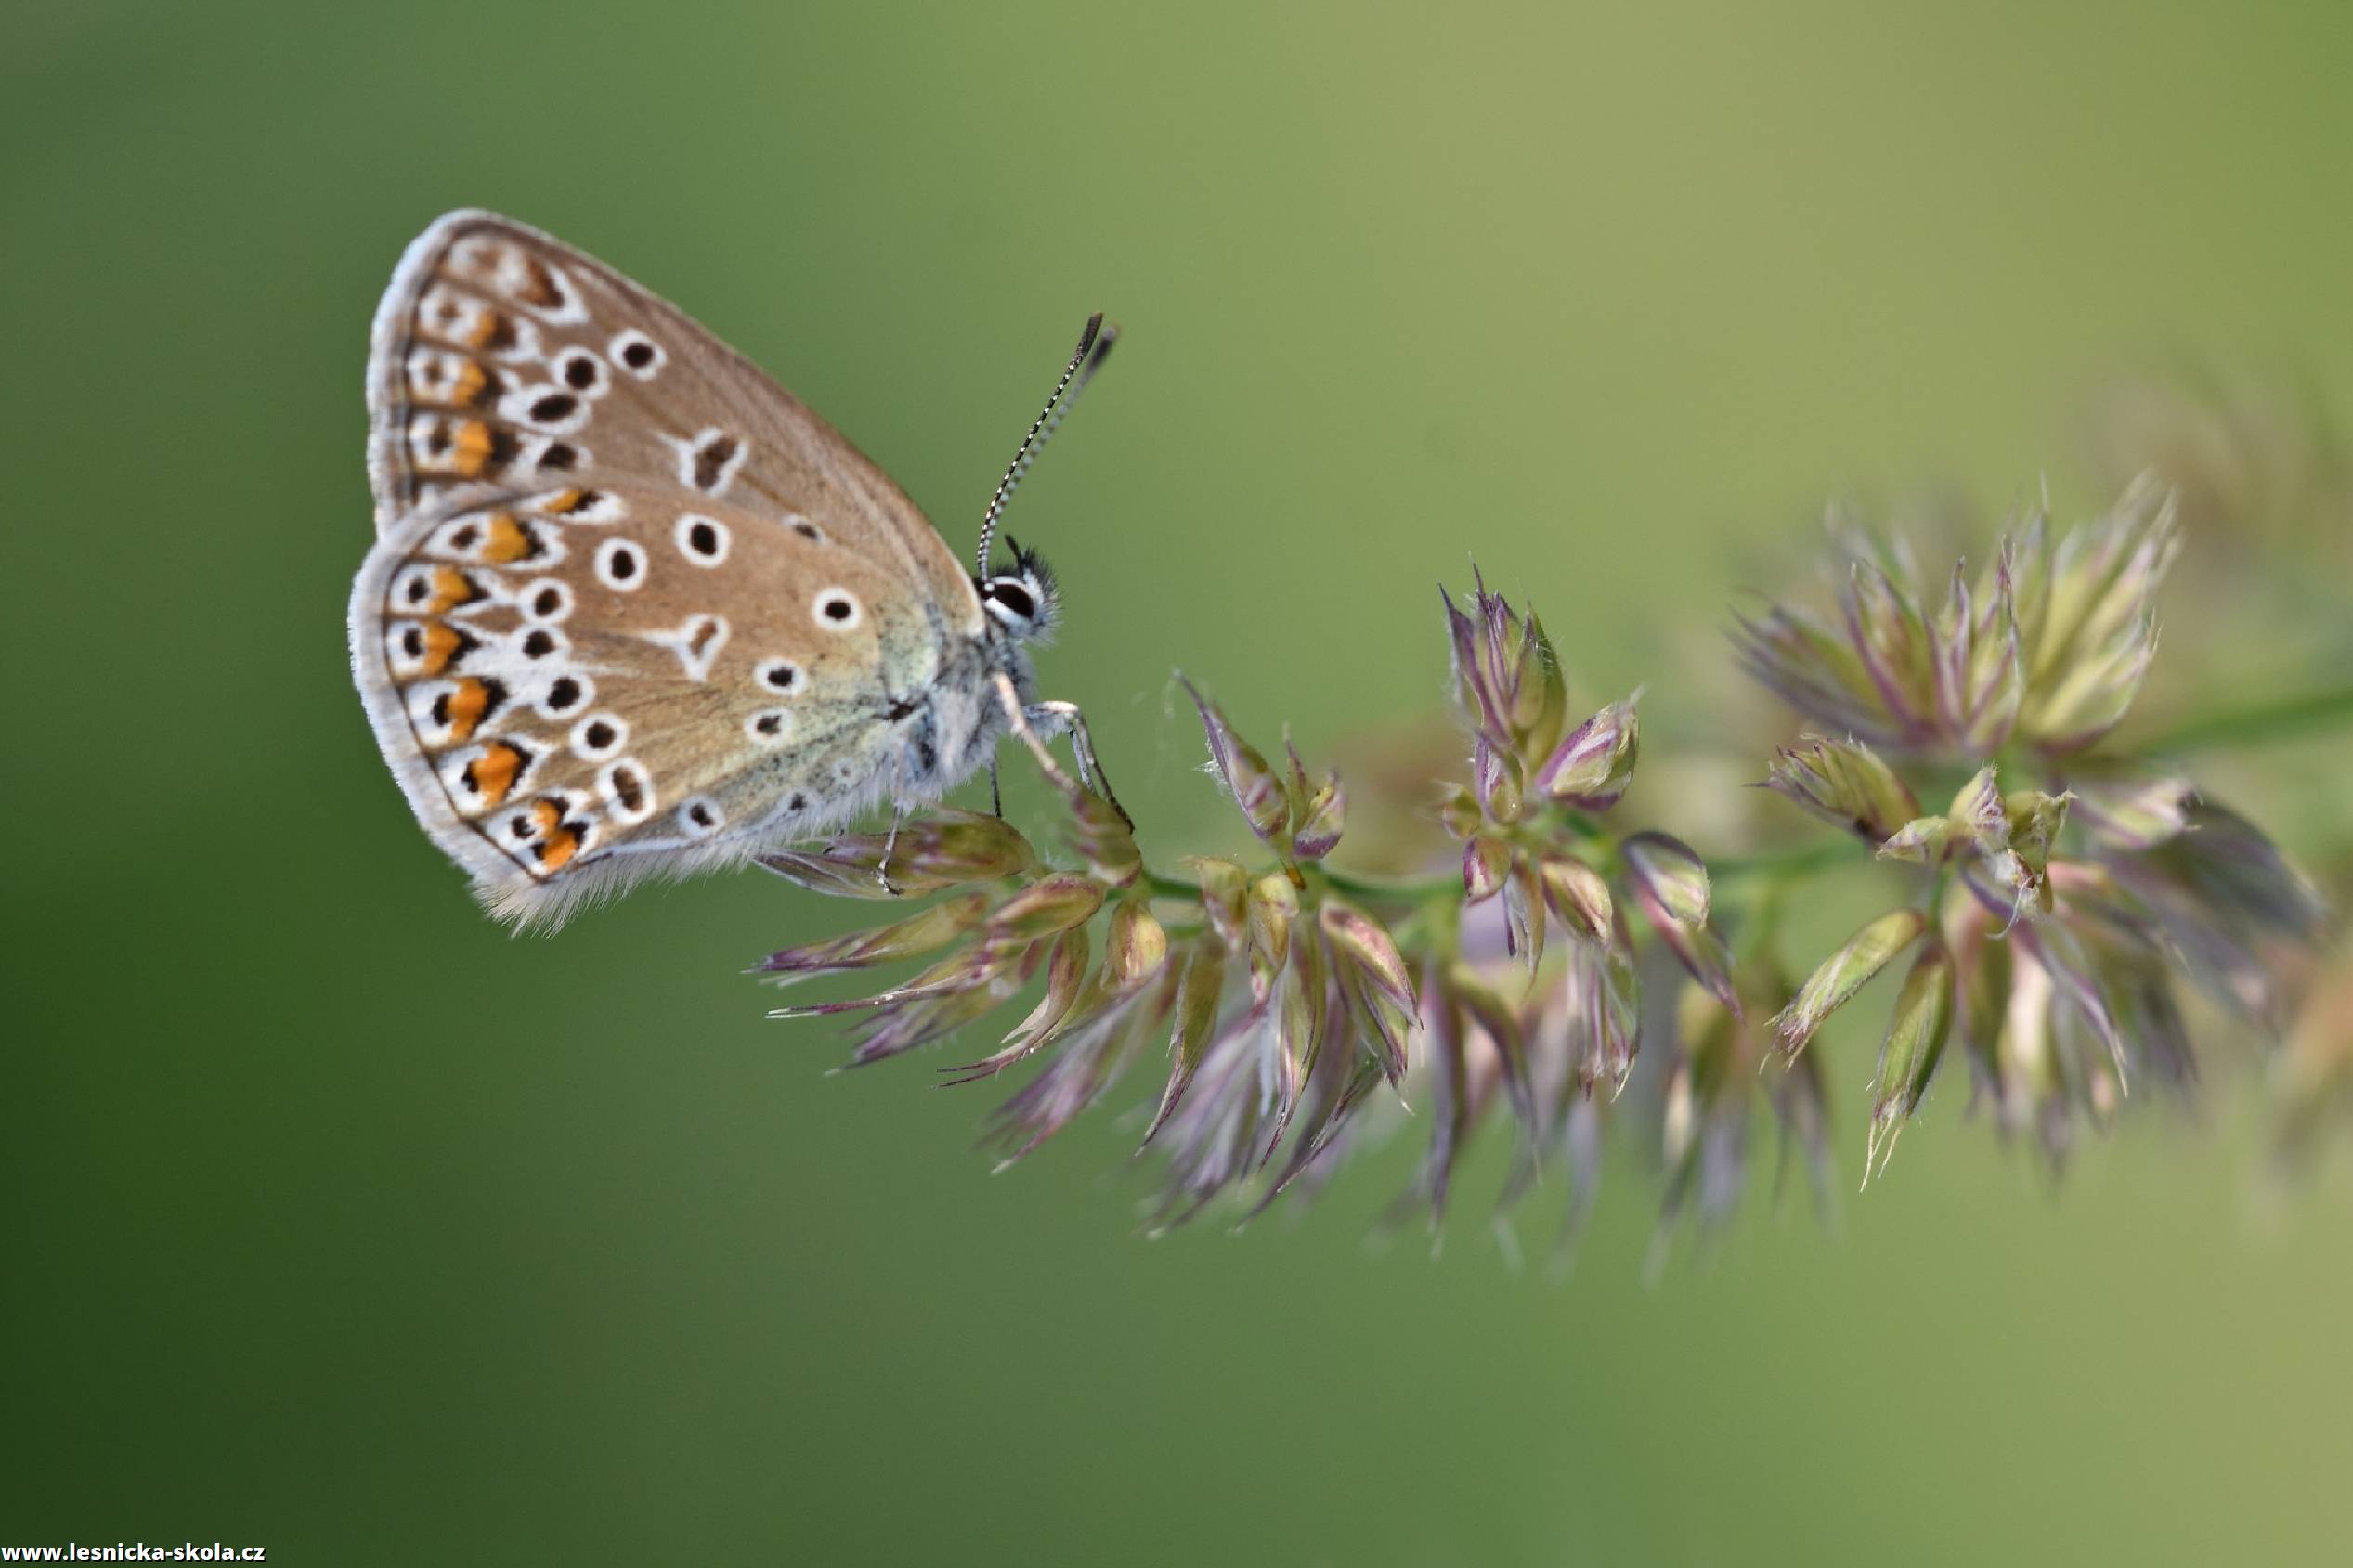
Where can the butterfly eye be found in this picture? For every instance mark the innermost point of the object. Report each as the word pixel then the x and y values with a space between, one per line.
pixel 1015 597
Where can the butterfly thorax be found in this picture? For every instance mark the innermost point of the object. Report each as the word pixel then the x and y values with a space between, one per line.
pixel 950 725
pixel 953 721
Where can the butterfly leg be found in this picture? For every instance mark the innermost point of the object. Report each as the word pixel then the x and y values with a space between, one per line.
pixel 996 793
pixel 891 839
pixel 890 843
pixel 1036 723
pixel 1051 719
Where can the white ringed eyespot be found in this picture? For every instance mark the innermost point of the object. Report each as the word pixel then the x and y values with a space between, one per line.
pixel 620 565
pixel 598 736
pixel 836 609
pixel 703 540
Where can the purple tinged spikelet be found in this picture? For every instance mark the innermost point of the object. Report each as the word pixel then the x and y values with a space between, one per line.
pixel 1908 1055
pixel 1225 893
pixel 1496 776
pixel 1272 905
pixel 2050 645
pixel 1365 946
pixel 2076 977
pixel 1047 906
pixel 1838 977
pixel 1976 821
pixel 1450 1102
pixel 2096 623
pixel 1490 1016
pixel 923 932
pixel 1592 768
pixel 1793 654
pixel 944 848
pixel 1375 981
pixel 1669 876
pixel 1524 924
pixel 1487 861
pixel 1670 884
pixel 1319 809
pixel 1891 639
pixel 1579 897
pixel 1458 811
pixel 1068 982
pixel 1254 784
pixel 1199 987
pixel 2132 805
pixel 934 1004
pixel 1089 1057
pixel 1507 681
pixel 1602 1001
pixel 1472 690
pixel 1104 839
pixel 1845 783
pixel 1302 1014
pixel 1137 949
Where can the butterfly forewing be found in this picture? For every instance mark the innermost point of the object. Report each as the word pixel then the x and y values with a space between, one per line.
pixel 503 358
pixel 581 686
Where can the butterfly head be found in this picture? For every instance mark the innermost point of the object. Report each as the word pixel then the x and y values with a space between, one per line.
pixel 1024 601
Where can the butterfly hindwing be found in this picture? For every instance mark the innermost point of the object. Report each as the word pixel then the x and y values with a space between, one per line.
pixel 578 687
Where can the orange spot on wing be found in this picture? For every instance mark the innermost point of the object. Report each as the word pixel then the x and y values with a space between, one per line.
pixel 536 288
pixel 488 329
pixel 469 383
pixel 450 588
pixel 546 815
pixel 475 445
pixel 567 503
pixel 495 771
pixel 442 643
pixel 509 541
pixel 467 705
pixel 557 849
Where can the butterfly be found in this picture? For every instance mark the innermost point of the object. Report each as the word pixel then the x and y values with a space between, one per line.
pixel 633 610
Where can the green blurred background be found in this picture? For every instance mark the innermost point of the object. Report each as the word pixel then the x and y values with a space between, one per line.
pixel 339 1221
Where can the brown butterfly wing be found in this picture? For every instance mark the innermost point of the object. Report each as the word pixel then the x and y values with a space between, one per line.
pixel 503 358
pixel 580 687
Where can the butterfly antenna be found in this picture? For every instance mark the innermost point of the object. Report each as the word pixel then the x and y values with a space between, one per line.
pixel 1094 347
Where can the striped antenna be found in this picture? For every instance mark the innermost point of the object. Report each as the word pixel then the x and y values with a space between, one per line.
pixel 1094 347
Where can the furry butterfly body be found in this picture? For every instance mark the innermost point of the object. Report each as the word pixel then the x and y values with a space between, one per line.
pixel 632 609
